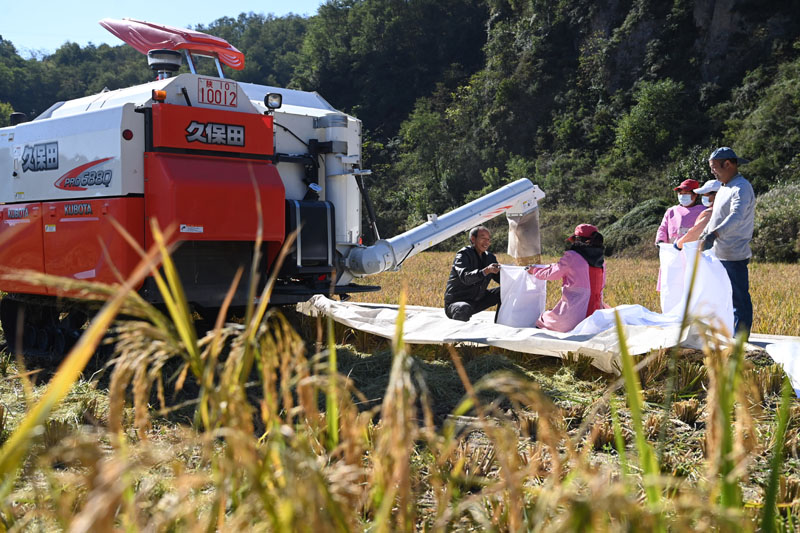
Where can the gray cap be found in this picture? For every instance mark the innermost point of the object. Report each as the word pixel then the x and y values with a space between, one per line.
pixel 709 186
pixel 727 153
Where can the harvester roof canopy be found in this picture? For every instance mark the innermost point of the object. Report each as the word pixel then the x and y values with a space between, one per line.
pixel 146 36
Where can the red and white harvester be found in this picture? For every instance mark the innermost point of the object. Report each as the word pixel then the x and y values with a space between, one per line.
pixel 196 153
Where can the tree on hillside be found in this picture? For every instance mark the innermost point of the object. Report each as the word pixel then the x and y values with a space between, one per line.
pixel 766 127
pixel 374 58
pixel 271 45
pixel 5 113
pixel 652 126
pixel 14 75
pixel 72 71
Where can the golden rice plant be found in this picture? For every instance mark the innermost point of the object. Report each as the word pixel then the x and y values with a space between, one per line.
pixel 776 489
pixel 580 364
pixel 653 368
pixel 767 379
pixel 687 411
pixel 730 433
pixel 602 434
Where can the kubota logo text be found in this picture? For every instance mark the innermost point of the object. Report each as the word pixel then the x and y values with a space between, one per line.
pixel 227 134
pixel 21 212
pixel 43 156
pixel 78 209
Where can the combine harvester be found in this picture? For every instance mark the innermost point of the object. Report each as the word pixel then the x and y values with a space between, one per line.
pixel 195 153
pixel 201 154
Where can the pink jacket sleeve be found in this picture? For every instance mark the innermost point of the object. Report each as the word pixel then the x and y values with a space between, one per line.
pixel 662 234
pixel 552 271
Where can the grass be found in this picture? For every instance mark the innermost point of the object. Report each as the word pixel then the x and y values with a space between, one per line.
pixel 277 425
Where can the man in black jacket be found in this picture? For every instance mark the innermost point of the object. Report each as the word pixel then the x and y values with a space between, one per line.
pixel 473 268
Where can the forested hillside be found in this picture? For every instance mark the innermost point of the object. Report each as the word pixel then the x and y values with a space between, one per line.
pixel 606 104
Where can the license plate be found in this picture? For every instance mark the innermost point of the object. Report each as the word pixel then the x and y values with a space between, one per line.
pixel 217 92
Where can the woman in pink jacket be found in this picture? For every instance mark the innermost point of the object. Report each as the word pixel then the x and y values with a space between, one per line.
pixel 680 218
pixel 584 276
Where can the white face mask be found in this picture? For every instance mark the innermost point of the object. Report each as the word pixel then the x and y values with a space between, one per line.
pixel 684 199
pixel 707 201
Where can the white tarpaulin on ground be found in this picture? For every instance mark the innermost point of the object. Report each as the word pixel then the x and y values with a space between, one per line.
pixel 787 353
pixel 429 325
pixel 595 337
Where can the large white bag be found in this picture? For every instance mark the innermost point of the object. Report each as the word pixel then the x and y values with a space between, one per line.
pixel 672 275
pixel 712 295
pixel 522 297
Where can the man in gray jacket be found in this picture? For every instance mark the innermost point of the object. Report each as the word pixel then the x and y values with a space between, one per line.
pixel 730 229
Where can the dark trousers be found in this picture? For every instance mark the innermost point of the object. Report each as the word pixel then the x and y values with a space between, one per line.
pixel 464 310
pixel 742 305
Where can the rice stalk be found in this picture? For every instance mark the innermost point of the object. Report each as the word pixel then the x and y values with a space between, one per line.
pixel 619 439
pixel 647 458
pixel 602 434
pixel 687 411
pixel 391 475
pixel 254 316
pixel 331 401
pixel 769 512
pixel 172 292
pixel 655 366
pixel 653 424
pixel 767 379
pixel 725 369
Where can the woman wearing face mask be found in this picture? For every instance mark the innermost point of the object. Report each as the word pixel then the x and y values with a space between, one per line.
pixel 708 192
pixel 680 218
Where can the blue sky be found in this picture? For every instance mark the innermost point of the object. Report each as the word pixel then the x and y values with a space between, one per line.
pixel 41 26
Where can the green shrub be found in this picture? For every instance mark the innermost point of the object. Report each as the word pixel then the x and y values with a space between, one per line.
pixel 776 236
pixel 652 126
pixel 556 223
pixel 692 164
pixel 637 227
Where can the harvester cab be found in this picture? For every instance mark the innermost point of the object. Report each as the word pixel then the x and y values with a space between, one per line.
pixel 226 165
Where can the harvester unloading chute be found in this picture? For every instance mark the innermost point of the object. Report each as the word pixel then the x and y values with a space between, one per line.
pixel 516 200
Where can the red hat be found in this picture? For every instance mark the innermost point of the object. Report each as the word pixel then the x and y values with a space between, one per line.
pixel 583 230
pixel 687 185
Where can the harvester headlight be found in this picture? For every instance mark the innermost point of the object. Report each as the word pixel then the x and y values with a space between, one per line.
pixel 273 100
